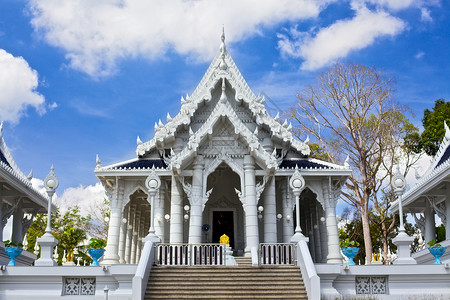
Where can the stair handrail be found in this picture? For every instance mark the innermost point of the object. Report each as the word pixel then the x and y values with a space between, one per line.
pixel 308 270
pixel 140 279
pixel 186 254
pixel 277 253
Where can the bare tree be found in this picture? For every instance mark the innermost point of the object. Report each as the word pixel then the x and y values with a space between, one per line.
pixel 350 113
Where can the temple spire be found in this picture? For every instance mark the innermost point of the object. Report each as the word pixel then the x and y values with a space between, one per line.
pixel 223 48
pixel 223 65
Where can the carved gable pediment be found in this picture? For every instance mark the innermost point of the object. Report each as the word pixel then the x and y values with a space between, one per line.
pixel 221 94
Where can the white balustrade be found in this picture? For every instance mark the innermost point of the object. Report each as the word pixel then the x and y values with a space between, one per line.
pixel 277 254
pixel 189 254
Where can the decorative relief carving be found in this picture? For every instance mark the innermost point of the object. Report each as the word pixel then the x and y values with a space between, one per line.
pixel 79 286
pixel 371 284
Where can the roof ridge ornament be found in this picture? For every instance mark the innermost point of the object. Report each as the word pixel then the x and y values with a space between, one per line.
pixel 1 128
pixel 223 49
pixel 223 97
pixel 447 131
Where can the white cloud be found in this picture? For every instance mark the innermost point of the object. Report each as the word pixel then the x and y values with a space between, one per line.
pixel 425 15
pixel 97 34
pixel 88 198
pixel 18 83
pixel 339 39
pixel 419 55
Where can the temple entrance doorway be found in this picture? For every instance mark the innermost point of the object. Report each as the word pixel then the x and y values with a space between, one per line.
pixel 223 223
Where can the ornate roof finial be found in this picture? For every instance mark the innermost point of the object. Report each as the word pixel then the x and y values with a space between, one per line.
pixel 1 128
pixel 223 65
pixel 99 163
pixel 222 38
pixel 447 131
pixel 30 176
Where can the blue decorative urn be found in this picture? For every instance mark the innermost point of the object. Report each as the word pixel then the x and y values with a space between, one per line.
pixel 13 253
pixel 96 254
pixel 437 252
pixel 350 252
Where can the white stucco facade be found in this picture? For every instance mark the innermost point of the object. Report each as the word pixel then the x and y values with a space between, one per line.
pixel 222 157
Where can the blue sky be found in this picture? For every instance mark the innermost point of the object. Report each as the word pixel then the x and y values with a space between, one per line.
pixel 82 77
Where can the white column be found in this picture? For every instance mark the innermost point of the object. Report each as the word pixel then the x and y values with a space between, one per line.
pixel 136 225
pixel 447 212
pixel 176 212
pixel 123 237
pixel 270 212
pixel 112 247
pixel 159 212
pixel 16 235
pixel 334 252
pixel 316 221
pixel 288 227
pixel 430 227
pixel 129 239
pixel 323 240
pixel 251 218
pixel 195 223
pixel 141 234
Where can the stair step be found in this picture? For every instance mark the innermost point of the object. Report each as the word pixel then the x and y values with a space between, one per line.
pixel 224 282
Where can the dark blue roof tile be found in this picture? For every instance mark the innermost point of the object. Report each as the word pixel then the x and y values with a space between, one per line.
pixel 444 157
pixel 301 164
pixel 143 164
pixel 3 158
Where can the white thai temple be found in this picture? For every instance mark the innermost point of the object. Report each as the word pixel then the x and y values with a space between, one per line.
pixel 223 165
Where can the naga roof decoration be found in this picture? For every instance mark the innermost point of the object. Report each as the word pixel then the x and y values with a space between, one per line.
pixel 222 68
pixel 8 164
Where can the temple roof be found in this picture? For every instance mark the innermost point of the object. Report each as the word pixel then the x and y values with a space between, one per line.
pixel 221 69
pixel 434 178
pixel 15 184
pixel 222 78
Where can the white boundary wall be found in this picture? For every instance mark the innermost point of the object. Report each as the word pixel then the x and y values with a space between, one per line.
pixel 404 281
pixel 47 282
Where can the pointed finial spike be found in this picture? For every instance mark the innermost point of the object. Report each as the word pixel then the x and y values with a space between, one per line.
pixel 1 127
pixel 277 117
pixel 52 168
pixel 346 162
pixel 97 160
pixel 30 176
pixel 139 142
pixel 169 118
pixel 447 131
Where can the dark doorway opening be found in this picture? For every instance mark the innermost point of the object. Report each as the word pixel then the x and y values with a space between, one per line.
pixel 223 223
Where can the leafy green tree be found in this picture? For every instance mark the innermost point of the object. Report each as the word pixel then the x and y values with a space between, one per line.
pixel 433 133
pixel 70 229
pixel 352 229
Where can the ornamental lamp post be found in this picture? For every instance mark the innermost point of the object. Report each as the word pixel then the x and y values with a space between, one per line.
pixel 399 187
pixel 152 183
pixel 48 241
pixel 297 184
pixel 402 240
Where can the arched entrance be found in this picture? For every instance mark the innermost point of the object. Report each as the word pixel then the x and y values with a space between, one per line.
pixel 223 211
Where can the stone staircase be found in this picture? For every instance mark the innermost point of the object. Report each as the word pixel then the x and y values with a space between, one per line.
pixel 222 282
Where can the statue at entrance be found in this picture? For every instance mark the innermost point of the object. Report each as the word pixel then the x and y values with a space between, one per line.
pixel 224 239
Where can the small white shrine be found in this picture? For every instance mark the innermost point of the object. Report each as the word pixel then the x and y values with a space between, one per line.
pixel 19 202
pixel 224 165
pixel 430 197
